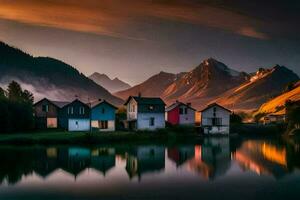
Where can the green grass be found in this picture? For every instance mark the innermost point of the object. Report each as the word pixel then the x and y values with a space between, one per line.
pixel 64 137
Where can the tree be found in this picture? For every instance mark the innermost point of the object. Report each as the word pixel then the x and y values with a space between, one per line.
pixel 293 115
pixel 14 91
pixel 235 118
pixel 27 97
pixel 2 93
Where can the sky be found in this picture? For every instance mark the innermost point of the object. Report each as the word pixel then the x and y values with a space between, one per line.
pixel 135 39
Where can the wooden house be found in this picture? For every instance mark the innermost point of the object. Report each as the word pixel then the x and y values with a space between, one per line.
pixel 75 116
pixel 215 119
pixel 103 115
pixel 145 113
pixel 180 114
pixel 46 113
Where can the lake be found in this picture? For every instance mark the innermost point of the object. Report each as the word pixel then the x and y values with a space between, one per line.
pixel 213 168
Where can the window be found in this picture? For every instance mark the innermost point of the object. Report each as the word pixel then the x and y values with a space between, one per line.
pixel 45 108
pixel 81 110
pixel 180 111
pixel 133 108
pixel 151 121
pixel 70 110
pixel 216 121
pixel 151 107
pixel 215 110
pixel 103 124
pixel 185 110
pixel 102 110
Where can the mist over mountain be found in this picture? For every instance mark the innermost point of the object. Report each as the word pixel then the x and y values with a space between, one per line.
pixel 48 77
pixel 112 85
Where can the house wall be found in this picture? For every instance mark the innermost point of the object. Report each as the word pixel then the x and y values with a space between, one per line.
pixel 64 116
pixel 109 112
pixel 110 125
pixel 38 109
pixel 173 116
pixel 220 113
pixel 42 117
pixel 143 121
pixel 132 115
pixel 78 125
pixel 187 119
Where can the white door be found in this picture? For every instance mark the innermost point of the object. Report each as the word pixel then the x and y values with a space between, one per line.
pixel 79 124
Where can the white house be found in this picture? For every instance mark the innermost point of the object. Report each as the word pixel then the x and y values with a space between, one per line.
pixel 215 119
pixel 145 113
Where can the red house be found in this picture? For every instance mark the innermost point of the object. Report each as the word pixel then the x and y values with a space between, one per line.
pixel 180 114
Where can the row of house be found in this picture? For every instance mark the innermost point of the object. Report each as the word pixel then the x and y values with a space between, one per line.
pixel 143 113
pixel 76 115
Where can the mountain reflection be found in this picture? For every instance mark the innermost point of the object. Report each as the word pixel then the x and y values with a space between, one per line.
pixel 210 159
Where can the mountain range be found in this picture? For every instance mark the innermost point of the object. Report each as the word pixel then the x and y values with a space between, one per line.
pixel 210 81
pixel 48 77
pixel 112 85
pixel 213 81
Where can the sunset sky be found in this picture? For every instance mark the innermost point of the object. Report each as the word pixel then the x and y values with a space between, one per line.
pixel 134 39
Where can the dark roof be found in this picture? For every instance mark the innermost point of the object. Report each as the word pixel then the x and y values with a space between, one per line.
pixel 98 102
pixel 75 101
pixel 176 104
pixel 58 104
pixel 215 104
pixel 146 100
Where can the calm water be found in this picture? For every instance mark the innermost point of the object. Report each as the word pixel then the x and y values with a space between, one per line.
pixel 216 168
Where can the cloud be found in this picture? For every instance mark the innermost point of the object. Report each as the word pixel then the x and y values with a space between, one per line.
pixel 114 17
pixel 251 32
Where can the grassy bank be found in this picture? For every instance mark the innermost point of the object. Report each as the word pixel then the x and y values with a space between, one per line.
pixel 85 138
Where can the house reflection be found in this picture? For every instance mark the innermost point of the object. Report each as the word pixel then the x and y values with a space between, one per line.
pixel 263 158
pixel 103 159
pixel 74 160
pixel 212 159
pixel 181 154
pixel 142 160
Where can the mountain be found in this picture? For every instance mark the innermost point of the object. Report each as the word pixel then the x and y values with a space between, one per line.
pixel 213 81
pixel 277 104
pixel 262 86
pixel 198 86
pixel 48 77
pixel 153 87
pixel 204 83
pixel 112 85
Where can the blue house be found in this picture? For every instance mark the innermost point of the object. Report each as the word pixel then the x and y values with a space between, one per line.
pixel 103 115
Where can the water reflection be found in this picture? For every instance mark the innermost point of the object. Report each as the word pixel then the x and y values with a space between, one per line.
pixel 210 159
pixel 141 160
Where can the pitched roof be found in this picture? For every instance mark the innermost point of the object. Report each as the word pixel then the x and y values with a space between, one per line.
pixel 176 104
pixel 146 100
pixel 98 102
pixel 58 104
pixel 215 104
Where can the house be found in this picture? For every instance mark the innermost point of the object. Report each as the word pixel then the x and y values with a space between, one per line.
pixel 180 114
pixel 275 118
pixel 145 113
pixel 103 115
pixel 46 113
pixel 75 116
pixel 215 119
